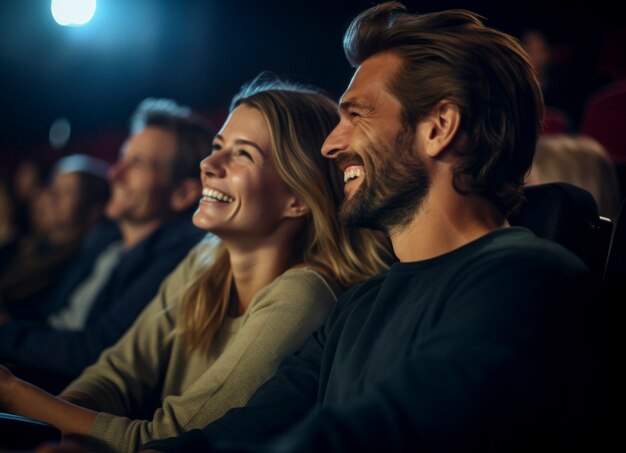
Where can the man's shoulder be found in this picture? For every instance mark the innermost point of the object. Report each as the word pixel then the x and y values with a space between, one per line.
pixel 177 234
pixel 363 289
pixel 523 266
pixel 519 247
pixel 163 249
pixel 102 235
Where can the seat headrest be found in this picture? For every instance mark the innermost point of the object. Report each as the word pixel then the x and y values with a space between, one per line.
pixel 561 212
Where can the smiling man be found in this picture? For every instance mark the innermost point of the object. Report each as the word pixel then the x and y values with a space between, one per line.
pixel 154 188
pixel 476 339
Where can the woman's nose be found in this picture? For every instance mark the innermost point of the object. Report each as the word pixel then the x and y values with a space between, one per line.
pixel 213 164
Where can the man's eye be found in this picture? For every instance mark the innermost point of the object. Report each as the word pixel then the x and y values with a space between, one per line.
pixel 215 147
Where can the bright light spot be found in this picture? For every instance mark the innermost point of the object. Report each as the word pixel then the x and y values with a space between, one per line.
pixel 73 12
pixel 60 132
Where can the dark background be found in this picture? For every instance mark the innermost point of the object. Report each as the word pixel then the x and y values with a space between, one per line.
pixel 200 52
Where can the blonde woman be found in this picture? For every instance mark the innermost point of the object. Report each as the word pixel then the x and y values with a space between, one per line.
pixel 246 297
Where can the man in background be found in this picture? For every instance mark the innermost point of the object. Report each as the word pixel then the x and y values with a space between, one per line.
pixel 154 188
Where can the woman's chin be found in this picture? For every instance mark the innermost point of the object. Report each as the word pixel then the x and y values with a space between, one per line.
pixel 202 221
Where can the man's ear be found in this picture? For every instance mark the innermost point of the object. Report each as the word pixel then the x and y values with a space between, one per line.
pixel 296 207
pixel 438 130
pixel 186 193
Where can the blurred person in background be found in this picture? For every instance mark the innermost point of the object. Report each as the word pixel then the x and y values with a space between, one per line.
pixel 578 160
pixel 8 224
pixel 154 188
pixel 563 92
pixel 61 214
pixel 29 177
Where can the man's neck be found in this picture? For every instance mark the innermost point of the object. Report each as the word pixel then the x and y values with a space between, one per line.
pixel 445 221
pixel 133 233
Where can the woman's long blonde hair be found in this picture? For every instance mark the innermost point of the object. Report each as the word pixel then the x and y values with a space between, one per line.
pixel 299 119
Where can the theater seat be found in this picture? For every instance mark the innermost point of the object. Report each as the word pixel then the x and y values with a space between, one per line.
pixel 603 119
pixel 615 272
pixel 567 214
pixel 555 121
pixel 613 302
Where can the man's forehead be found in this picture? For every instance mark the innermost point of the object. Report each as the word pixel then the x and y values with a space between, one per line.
pixel 124 148
pixel 359 87
pixel 372 76
pixel 151 142
pixel 70 178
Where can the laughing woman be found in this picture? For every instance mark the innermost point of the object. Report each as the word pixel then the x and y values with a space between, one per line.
pixel 246 297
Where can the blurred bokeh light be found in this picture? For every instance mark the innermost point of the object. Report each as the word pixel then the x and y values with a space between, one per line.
pixel 73 12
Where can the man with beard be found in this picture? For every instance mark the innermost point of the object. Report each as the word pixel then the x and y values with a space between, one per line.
pixel 475 339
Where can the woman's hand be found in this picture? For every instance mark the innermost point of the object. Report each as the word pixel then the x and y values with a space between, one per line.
pixel 7 381
pixel 24 399
pixel 81 399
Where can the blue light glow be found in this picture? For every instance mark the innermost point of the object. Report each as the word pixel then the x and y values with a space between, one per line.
pixel 73 12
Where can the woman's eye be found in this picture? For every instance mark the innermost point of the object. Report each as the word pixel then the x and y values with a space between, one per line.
pixel 214 147
pixel 243 153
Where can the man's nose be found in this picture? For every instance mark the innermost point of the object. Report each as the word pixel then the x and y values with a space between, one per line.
pixel 336 141
pixel 116 170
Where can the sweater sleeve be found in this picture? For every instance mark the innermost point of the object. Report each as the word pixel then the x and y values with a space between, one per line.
pixel 293 389
pixel 125 373
pixel 277 323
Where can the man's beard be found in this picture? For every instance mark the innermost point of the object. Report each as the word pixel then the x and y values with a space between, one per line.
pixel 395 186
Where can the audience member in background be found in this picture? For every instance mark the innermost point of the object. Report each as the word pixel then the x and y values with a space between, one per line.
pixel 477 339
pixel 581 161
pixel 19 189
pixel 8 223
pixel 61 215
pixel 29 177
pixel 562 96
pixel 154 187
pixel 603 117
pixel 236 306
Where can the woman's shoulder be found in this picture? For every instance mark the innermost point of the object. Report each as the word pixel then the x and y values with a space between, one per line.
pixel 298 285
pixel 309 275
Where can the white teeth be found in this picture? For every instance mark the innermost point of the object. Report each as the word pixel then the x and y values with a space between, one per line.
pixel 352 173
pixel 214 195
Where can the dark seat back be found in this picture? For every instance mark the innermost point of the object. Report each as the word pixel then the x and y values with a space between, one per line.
pixel 615 271
pixel 567 214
